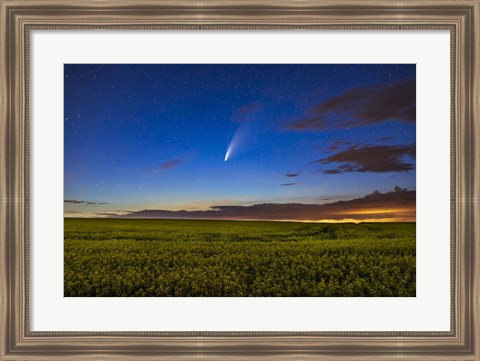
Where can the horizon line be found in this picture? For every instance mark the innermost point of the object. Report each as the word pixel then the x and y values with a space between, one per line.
pixel 326 221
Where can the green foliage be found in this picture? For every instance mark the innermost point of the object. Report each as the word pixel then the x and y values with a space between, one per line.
pixel 130 257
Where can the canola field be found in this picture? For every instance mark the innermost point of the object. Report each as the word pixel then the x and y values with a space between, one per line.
pixel 190 258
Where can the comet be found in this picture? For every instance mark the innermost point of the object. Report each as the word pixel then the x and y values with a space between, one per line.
pixel 238 139
pixel 229 150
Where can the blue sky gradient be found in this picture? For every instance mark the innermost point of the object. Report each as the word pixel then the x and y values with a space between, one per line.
pixel 155 136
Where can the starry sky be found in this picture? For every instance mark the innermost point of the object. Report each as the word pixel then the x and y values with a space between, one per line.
pixel 307 142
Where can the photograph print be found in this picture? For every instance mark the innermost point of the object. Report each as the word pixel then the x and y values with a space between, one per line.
pixel 239 180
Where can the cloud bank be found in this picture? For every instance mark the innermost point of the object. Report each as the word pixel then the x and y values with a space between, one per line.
pixel 398 205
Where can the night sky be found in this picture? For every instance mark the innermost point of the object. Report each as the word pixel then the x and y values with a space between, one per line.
pixel 282 142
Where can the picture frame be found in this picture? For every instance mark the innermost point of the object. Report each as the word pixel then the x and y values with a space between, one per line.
pixel 18 18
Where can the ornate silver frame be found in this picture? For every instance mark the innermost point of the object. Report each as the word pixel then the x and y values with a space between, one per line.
pixel 19 17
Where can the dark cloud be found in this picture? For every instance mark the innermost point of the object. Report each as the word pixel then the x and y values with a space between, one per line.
pixel 166 165
pixel 288 184
pixel 170 164
pixel 245 113
pixel 384 139
pixel 337 143
pixel 332 171
pixel 362 106
pixel 72 201
pixel 335 197
pixel 371 158
pixel 397 205
pixel 309 124
pixel 291 175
